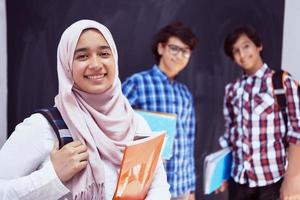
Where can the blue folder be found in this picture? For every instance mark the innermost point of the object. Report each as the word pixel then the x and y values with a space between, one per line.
pixel 217 168
pixel 162 122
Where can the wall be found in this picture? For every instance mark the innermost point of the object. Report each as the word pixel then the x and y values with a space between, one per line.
pixel 291 38
pixel 32 80
pixel 3 74
pixel 32 77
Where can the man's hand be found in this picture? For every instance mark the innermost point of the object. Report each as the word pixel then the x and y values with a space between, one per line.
pixel 192 196
pixel 69 160
pixel 222 188
pixel 285 192
pixel 290 188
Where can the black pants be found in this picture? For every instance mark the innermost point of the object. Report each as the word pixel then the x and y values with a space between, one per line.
pixel 244 192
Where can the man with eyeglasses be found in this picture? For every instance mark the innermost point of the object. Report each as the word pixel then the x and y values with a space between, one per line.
pixel 158 90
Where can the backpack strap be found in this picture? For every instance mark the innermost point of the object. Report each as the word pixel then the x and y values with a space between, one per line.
pixel 279 94
pixel 59 126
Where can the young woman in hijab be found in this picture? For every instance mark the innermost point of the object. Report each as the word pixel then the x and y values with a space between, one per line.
pixel 99 119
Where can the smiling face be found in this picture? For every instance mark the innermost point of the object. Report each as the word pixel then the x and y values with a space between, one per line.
pixel 247 55
pixel 175 56
pixel 93 63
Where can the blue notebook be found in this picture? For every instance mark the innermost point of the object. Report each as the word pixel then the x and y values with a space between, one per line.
pixel 217 168
pixel 162 122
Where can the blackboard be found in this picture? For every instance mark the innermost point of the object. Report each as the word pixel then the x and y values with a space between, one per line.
pixel 34 29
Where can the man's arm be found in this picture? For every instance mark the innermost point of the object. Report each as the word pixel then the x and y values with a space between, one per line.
pixel 227 114
pixel 191 130
pixel 224 139
pixel 291 184
pixel 129 89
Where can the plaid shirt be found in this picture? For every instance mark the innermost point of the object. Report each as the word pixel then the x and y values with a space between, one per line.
pixel 255 127
pixel 152 90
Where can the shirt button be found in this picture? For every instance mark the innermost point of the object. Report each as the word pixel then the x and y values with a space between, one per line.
pixel 247 165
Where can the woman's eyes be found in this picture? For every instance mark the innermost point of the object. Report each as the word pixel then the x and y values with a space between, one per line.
pixel 81 57
pixel 102 54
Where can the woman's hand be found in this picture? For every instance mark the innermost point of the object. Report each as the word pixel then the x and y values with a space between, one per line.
pixel 222 188
pixel 69 160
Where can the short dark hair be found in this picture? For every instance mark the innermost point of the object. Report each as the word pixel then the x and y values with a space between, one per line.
pixel 232 37
pixel 175 29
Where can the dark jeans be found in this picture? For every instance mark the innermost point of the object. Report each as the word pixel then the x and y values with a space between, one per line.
pixel 244 192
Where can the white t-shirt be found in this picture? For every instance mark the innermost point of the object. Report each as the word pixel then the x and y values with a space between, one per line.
pixel 26 171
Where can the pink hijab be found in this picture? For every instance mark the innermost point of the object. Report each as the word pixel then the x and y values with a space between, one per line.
pixel 104 122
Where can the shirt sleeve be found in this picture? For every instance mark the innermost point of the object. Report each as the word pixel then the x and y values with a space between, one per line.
pixel 293 110
pixel 40 184
pixel 224 140
pixel 191 144
pixel 26 171
pixel 129 89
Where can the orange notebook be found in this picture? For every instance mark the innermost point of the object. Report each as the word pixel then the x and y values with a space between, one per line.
pixel 138 167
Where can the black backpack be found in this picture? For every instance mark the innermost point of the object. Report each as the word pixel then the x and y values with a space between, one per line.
pixel 59 126
pixel 280 96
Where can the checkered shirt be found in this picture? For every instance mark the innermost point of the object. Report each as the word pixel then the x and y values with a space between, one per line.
pixel 152 90
pixel 255 130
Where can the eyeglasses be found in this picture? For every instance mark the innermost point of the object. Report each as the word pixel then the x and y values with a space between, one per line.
pixel 174 50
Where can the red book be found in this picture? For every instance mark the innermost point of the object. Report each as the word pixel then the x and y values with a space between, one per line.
pixel 138 167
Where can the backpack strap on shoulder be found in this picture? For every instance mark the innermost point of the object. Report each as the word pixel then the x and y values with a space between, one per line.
pixel 279 93
pixel 59 126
